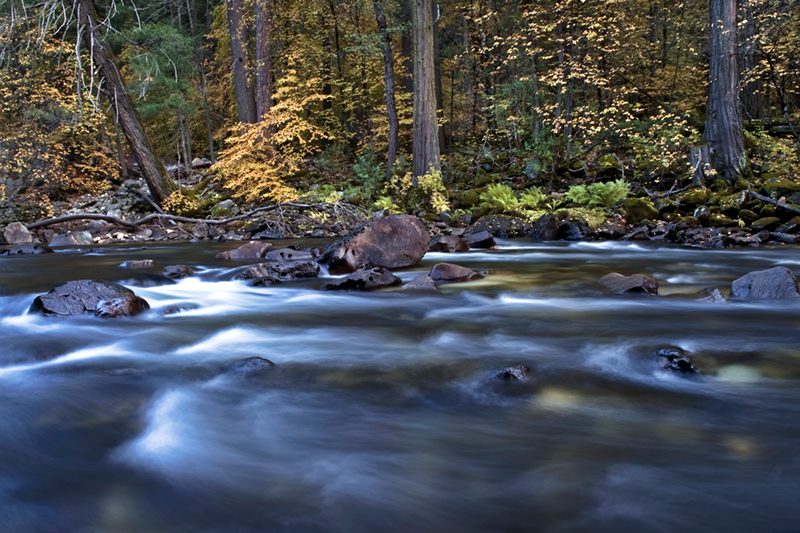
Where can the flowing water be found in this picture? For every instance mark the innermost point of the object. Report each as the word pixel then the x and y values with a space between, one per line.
pixel 381 414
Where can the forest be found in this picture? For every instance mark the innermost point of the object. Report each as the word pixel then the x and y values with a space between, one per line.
pixel 449 111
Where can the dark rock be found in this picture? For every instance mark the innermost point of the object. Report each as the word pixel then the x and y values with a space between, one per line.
pixel 200 230
pixel 482 239
pixel 639 209
pixel 451 272
pixel 785 238
pixel 76 238
pixel 677 359
pixel 264 274
pixel 611 229
pixel 545 228
pixel 501 226
pixel 28 249
pixel 139 263
pixel 777 283
pixel 513 373
pixel 395 241
pixel 288 254
pixel 713 296
pixel 178 271
pixel 619 284
pixel 127 305
pixel 251 250
pixel 17 233
pixel 270 233
pixel 767 223
pixel 790 227
pixel 569 231
pixel 421 283
pixel 78 297
pixel 250 366
pixel 449 243
pixel 365 279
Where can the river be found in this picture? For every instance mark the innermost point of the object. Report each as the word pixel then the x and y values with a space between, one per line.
pixel 381 414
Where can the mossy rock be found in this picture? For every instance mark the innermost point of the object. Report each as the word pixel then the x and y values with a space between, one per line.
pixel 481 212
pixel 742 184
pixel 608 161
pixel 696 196
pixel 430 217
pixel 780 186
pixel 732 203
pixel 767 211
pixel 469 199
pixel 638 209
pixel 484 179
pixel 718 220
pixel 665 205
pixel 689 222
pixel 672 217
pixel 747 215
pixel 768 223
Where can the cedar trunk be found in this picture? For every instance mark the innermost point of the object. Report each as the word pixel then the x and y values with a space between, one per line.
pixel 426 137
pixel 263 57
pixel 245 99
pixel 153 171
pixel 388 73
pixel 723 133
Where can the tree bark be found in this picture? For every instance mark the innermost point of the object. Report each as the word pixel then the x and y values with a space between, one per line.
pixel 388 74
pixel 153 171
pixel 245 98
pixel 724 134
pixel 263 57
pixel 426 137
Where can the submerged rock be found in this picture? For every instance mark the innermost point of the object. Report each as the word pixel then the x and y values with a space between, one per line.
pixel 28 249
pixel 288 254
pixel 250 366
pixel 365 279
pixel 138 263
pixel 451 272
pixel 677 359
pixel 264 274
pixel 513 373
pixel 777 283
pixel 178 271
pixel 395 241
pixel 713 296
pixel 78 297
pixel 251 250
pixel 619 284
pixel 421 283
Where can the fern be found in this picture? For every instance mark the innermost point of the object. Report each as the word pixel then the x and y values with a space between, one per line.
pixel 605 195
pixel 499 196
pixel 579 194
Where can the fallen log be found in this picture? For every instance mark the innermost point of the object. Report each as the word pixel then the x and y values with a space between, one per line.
pixel 769 200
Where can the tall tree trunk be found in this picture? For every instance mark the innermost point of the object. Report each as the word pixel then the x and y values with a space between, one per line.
pixel 437 65
pixel 426 137
pixel 152 168
pixel 388 74
pixel 263 57
pixel 199 60
pixel 752 99
pixel 245 99
pixel 723 133
pixel 405 48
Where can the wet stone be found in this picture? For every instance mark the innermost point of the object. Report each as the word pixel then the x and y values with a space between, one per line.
pixel 513 373
pixel 138 263
pixel 28 249
pixel 619 284
pixel 365 279
pixel 421 283
pixel 178 271
pixel 676 359
pixel 451 272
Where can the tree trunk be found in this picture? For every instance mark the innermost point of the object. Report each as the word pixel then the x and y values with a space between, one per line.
pixel 245 99
pixel 723 133
pixel 263 57
pixel 388 74
pixel 151 166
pixel 405 48
pixel 752 99
pixel 426 137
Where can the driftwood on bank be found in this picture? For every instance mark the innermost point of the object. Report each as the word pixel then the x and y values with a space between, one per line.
pixel 175 218
pixel 769 200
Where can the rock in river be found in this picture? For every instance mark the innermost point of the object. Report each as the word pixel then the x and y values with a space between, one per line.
pixel 451 272
pixel 513 373
pixel 251 250
pixel 481 239
pixel 138 263
pixel 674 358
pixel 449 244
pixel 178 271
pixel 264 274
pixel 618 284
pixel 365 279
pixel 17 233
pixel 94 296
pixel 421 283
pixel 777 283
pixel 395 241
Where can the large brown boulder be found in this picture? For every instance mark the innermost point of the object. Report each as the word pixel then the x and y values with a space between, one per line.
pixel 93 296
pixel 251 250
pixel 395 241
pixel 17 233
pixel 619 284
pixel 777 283
pixel 482 239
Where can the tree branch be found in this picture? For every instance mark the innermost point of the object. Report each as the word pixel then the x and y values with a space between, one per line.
pixel 773 202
